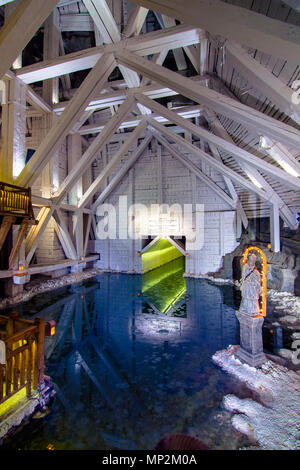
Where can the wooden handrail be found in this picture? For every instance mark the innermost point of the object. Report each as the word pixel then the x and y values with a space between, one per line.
pixel 24 342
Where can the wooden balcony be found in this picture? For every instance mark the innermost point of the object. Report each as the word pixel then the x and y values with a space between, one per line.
pixel 24 344
pixel 15 201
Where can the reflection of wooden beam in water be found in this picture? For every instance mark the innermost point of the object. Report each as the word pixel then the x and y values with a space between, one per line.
pixel 77 323
pixel 167 314
pixel 67 298
pixel 61 329
pixel 94 379
pixel 54 307
pixel 107 360
pixel 144 298
pixel 69 407
pixel 114 368
pixel 177 304
pixel 86 315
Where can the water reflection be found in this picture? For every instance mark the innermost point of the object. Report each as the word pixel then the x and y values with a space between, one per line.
pixel 164 289
pixel 125 377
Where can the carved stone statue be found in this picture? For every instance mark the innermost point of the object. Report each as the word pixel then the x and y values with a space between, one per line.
pixel 251 287
pixel 250 316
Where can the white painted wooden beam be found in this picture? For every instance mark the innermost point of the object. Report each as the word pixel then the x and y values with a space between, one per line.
pixel 178 53
pixel 253 172
pixel 195 170
pixel 224 105
pixel 63 235
pixel 37 101
pixel 145 44
pixel 115 98
pixel 147 247
pixel 111 165
pixel 36 232
pixel 135 22
pixel 188 112
pixel 78 231
pixel 263 80
pixel 223 169
pixel 87 233
pixel 122 172
pixel 231 189
pixel 177 246
pixel 105 22
pixel 92 151
pixel 281 155
pixel 64 124
pixel 65 3
pixel 103 19
pixel 244 26
pixel 5 2
pixel 275 228
pixel 239 153
pixel 76 22
pixel 20 27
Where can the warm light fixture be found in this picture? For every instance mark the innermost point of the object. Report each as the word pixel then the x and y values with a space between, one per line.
pixel 50 328
pixel 263 310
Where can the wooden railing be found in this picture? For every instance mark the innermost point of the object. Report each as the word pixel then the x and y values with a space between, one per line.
pixel 15 200
pixel 24 341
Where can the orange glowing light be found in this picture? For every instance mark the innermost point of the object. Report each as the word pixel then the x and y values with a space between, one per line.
pixel 263 309
pixel 139 253
pixel 50 447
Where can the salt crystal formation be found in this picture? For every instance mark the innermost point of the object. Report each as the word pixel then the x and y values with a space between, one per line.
pixel 274 421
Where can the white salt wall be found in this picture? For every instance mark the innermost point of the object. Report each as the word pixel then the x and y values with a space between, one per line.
pixel 177 185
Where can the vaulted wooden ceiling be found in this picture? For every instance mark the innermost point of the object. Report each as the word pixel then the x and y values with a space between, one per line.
pixel 224 72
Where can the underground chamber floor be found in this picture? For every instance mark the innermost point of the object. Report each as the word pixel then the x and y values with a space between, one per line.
pixel 131 363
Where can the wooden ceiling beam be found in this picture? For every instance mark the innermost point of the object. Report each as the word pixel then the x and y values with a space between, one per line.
pixel 122 172
pixel 95 148
pixel 263 80
pixel 146 44
pixel 135 22
pixel 244 26
pixel 20 27
pixel 113 98
pixel 223 169
pixel 111 165
pixel 237 152
pixel 237 111
pixel 64 124
pixel 197 171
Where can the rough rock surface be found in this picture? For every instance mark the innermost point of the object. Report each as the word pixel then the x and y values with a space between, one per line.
pixel 274 420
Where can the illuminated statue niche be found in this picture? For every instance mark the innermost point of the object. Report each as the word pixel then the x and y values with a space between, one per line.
pixel 254 283
pixel 253 308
